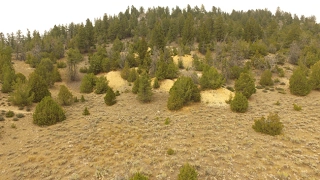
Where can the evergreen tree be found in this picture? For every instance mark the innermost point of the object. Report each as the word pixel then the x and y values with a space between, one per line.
pixel 315 76
pixel 245 84
pixel 21 95
pixel 266 78
pixel 299 84
pixel 74 57
pixel 88 83
pixel 110 97
pixel 183 91
pixel 125 72
pixel 156 84
pixel 211 78
pixel 135 87
pixel 239 103
pixel 45 70
pixel 38 86
pixel 188 30
pixel 48 112
pixel 65 97
pixel 101 85
pixel 144 90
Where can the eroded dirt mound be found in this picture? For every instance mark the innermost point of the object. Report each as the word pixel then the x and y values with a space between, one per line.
pixel 116 81
pixel 186 60
pixel 216 97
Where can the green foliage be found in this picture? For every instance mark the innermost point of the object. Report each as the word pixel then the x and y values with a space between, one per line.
pixel 125 72
pixel 65 97
pixel 110 97
pixel 133 75
pixel 170 152
pixel 166 69
pixel 45 70
pixel 237 70
pixel 180 64
pixel 299 84
pixel 297 107
pixel 245 85
pixel 197 63
pixel 156 84
pixel 266 78
pixel 56 75
pixel 138 176
pixel 61 64
pixel 20 76
pixel 19 115
pixel 144 90
pixel 84 69
pixel 211 78
pixel 8 77
pixel 101 85
pixel 48 112
pixel 9 114
pixel 74 57
pixel 135 87
pixel 1 118
pixel 39 87
pixel 85 112
pixel 88 83
pixel 82 99
pixel 239 103
pixel 315 76
pixel 167 121
pixel 270 125
pixel 187 172
pixel 21 95
pixel 183 91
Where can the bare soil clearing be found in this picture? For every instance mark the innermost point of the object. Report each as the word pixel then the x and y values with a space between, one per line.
pixel 115 142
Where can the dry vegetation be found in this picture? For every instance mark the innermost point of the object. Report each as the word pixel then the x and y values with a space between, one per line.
pixel 116 141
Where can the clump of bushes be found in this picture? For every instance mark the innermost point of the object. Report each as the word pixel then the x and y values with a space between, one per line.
pixel 183 91
pixel 9 114
pixel 299 83
pixel 110 97
pixel 61 64
pixel 48 112
pixel 170 151
pixel 270 125
pixel 266 78
pixel 20 115
pixel 187 172
pixel 239 103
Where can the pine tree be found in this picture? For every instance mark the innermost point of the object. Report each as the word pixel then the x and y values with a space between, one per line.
pixel 110 97
pixel 156 84
pixel 65 97
pixel 101 85
pixel 266 78
pixel 74 57
pixel 88 83
pixel 144 91
pixel 48 112
pixel 245 84
pixel 38 86
pixel 315 76
pixel 299 84
pixel 211 78
pixel 239 103
pixel 21 95
pixel 125 72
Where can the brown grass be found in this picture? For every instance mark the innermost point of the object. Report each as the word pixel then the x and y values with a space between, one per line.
pixel 115 142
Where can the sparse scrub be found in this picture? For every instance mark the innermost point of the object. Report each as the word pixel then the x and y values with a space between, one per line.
pixel 82 99
pixel 266 78
pixel 187 172
pixel 138 176
pixel 167 121
pixel 299 83
pixel 170 152
pixel 20 115
pixel 85 112
pixel 270 125
pixel 2 118
pixel 84 70
pixel 9 114
pixel 65 97
pixel 245 85
pixel 297 107
pixel 61 64
pixel 13 126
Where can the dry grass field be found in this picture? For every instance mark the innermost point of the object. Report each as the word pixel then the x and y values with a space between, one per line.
pixel 115 142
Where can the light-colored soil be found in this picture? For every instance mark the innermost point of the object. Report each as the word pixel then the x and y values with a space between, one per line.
pixel 115 142
pixel 186 60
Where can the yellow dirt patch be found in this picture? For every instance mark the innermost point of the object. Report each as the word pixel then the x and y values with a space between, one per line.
pixel 116 81
pixel 186 60
pixel 166 85
pixel 216 97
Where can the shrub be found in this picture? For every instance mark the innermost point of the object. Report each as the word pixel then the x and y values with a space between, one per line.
pixel 88 82
pixel 2 118
pixel 9 114
pixel 39 87
pixel 133 75
pixel 65 97
pixel 144 90
pixel 138 176
pixel 211 78
pixel 315 76
pixel 125 72
pixel 239 103
pixel 82 99
pixel 86 112
pixel 101 85
pixel 266 78
pixel 299 84
pixel 15 119
pixel 61 64
pixel 170 151
pixel 84 70
pixel 187 172
pixel 21 95
pixel 135 87
pixel 167 121
pixel 156 84
pixel 297 107
pixel 110 97
pixel 180 64
pixel 245 85
pixel 75 99
pixel 270 125
pixel 183 91
pixel 48 112
pixel 20 115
